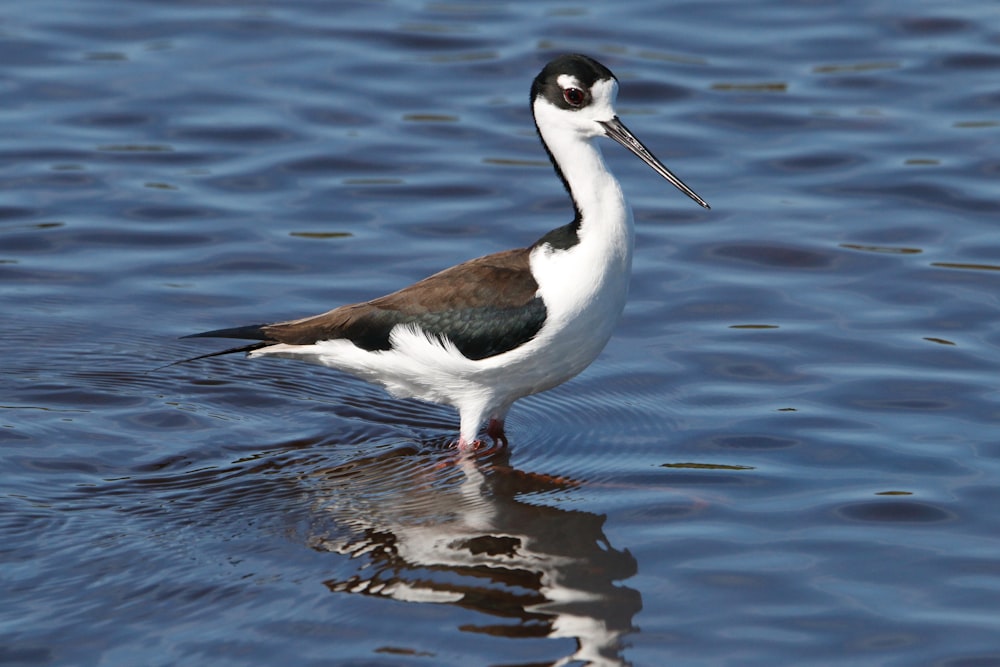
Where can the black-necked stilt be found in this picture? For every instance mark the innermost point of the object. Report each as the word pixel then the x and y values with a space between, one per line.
pixel 482 334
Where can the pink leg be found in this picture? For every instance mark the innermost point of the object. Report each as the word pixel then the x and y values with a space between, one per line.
pixel 466 446
pixel 495 431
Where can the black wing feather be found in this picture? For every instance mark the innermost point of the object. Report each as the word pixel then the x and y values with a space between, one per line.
pixel 478 333
pixel 485 307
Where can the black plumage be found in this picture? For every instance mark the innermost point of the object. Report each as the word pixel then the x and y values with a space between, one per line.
pixel 485 307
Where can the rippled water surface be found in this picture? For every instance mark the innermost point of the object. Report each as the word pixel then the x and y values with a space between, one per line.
pixel 787 455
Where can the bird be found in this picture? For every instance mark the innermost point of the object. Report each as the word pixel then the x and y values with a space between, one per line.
pixel 484 333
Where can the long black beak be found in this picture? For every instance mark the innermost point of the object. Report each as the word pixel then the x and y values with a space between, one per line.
pixel 617 131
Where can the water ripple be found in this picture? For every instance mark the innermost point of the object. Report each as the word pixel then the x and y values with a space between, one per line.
pixel 784 456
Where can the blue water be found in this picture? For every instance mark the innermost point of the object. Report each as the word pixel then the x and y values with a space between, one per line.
pixel 787 455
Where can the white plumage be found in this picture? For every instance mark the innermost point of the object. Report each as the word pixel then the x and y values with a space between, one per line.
pixel 580 272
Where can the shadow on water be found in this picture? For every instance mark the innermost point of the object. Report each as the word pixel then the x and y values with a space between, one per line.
pixel 419 524
pixel 456 532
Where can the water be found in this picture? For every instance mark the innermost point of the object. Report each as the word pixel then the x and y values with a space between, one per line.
pixel 787 455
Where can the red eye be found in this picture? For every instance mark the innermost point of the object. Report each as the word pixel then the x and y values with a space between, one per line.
pixel 574 97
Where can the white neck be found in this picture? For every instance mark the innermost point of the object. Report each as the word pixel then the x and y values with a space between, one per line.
pixel 605 217
pixel 585 285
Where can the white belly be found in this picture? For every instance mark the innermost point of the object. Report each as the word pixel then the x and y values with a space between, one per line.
pixel 584 290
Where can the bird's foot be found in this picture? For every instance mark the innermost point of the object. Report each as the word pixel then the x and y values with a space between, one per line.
pixel 466 446
pixel 496 433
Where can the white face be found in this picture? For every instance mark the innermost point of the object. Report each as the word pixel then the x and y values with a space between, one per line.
pixel 599 105
pixel 570 115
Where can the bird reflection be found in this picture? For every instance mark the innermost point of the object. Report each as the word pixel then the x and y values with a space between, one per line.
pixel 458 531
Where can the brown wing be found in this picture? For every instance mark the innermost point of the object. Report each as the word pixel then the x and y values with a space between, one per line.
pixel 485 306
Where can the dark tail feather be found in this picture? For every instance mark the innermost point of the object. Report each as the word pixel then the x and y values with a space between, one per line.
pixel 232 350
pixel 252 332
